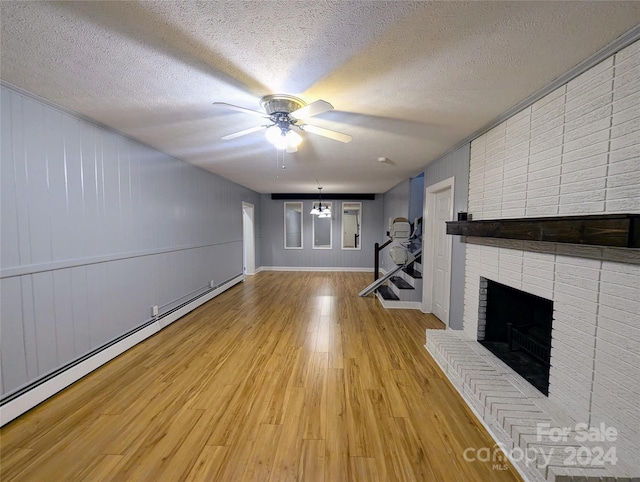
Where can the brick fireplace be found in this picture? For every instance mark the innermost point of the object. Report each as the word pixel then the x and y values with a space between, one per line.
pixel 575 151
pixel 596 333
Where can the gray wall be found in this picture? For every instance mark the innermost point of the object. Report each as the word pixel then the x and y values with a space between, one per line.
pixel 455 164
pixel 274 254
pixel 416 197
pixel 96 229
pixel 396 204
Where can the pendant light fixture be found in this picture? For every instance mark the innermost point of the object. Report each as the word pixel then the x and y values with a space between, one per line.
pixel 320 210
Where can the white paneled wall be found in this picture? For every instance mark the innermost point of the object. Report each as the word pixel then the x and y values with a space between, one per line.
pixel 96 229
pixel 576 151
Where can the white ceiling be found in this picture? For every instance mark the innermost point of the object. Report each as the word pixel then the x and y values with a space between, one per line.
pixel 408 80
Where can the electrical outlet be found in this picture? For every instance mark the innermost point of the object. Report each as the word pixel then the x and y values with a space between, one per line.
pixel 154 310
pixel 211 285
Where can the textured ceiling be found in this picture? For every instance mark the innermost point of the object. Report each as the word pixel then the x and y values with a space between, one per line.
pixel 408 80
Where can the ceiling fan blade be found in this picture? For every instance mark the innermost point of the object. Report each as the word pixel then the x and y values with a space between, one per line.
pixel 292 149
pixel 243 133
pixel 336 136
pixel 309 110
pixel 243 109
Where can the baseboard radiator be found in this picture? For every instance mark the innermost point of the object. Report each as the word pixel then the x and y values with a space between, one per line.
pixel 19 401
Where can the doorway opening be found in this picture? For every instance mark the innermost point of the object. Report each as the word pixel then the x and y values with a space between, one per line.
pixel 248 239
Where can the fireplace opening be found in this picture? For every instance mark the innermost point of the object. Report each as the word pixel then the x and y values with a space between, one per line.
pixel 517 329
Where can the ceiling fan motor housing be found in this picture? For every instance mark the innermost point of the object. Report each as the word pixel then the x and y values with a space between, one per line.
pixel 281 103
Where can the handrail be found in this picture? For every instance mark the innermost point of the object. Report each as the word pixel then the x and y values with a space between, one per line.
pixel 378 282
pixel 376 262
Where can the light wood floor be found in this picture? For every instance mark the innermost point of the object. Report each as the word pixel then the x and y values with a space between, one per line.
pixel 288 376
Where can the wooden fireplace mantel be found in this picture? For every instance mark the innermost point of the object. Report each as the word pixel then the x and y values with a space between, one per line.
pixel 618 230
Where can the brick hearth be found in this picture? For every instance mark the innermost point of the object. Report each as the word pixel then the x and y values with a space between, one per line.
pixel 512 410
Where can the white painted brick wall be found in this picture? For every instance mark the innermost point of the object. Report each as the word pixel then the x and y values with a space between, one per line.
pixel 576 151
pixel 622 194
pixel 476 176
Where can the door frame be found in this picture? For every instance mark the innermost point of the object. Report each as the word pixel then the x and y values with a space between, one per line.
pixel 428 255
pixel 248 239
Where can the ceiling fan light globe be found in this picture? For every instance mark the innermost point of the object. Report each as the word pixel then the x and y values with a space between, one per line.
pixel 273 134
pixel 293 139
pixel 281 143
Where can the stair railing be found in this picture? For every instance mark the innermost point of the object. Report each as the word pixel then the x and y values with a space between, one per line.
pixel 376 263
pixel 377 247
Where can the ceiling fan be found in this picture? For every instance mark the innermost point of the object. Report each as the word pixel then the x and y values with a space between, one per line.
pixel 283 113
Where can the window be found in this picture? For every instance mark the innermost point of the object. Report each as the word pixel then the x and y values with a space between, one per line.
pixel 293 225
pixel 351 224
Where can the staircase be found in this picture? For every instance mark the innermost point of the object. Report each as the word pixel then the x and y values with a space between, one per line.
pixel 401 286
pixel 403 290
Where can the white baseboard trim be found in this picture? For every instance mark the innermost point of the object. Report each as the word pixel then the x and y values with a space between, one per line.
pixel 317 268
pixel 40 393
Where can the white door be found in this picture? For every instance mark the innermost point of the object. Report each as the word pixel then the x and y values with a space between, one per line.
pixel 436 251
pixel 441 256
pixel 248 241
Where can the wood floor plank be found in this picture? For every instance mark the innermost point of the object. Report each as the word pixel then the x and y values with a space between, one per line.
pixel 209 464
pixel 101 468
pixel 306 381
pixel 395 403
pixel 263 451
pixel 280 374
pixel 412 462
pixel 337 457
pixel 312 461
pixel 364 468
pixel 315 415
pixel 336 356
pixel 154 457
pixel 288 455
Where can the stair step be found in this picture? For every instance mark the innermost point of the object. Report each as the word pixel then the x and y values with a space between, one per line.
pixel 387 293
pixel 401 283
pixel 413 272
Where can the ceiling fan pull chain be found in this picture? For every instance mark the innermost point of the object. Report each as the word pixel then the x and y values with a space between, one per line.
pixel 278 165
